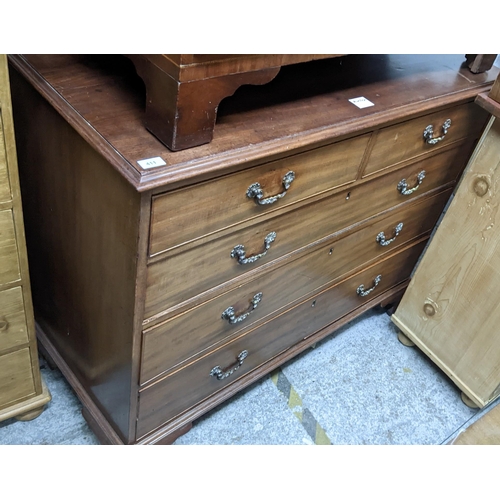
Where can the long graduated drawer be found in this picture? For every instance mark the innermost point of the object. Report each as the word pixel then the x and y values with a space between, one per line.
pixel 186 275
pixel 184 388
pixel 187 334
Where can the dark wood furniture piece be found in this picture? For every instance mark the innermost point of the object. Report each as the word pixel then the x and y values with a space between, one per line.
pixel 23 395
pixel 183 91
pixel 161 291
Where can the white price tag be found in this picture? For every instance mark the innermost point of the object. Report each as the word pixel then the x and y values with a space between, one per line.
pixel 361 102
pixel 151 162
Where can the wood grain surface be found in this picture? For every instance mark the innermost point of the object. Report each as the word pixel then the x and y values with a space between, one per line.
pixel 404 141
pixel 4 177
pixel 16 379
pixel 451 309
pixel 82 224
pixel 9 257
pixel 13 327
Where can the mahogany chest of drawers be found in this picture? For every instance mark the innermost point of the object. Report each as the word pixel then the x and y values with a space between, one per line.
pixel 164 282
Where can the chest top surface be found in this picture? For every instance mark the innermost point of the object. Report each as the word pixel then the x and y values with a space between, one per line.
pixel 307 105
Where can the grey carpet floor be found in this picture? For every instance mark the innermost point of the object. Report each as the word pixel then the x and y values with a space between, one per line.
pixel 358 386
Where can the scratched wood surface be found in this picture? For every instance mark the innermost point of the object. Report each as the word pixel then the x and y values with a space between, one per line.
pixel 451 308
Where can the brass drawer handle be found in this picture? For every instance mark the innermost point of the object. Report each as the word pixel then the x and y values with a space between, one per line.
pixel 381 236
pixel 229 313
pixel 429 133
pixel 239 250
pixel 403 185
pixel 221 374
pixel 255 190
pixel 4 324
pixel 361 288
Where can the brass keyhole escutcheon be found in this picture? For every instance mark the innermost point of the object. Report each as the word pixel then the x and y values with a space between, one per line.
pixel 429 309
pixel 481 186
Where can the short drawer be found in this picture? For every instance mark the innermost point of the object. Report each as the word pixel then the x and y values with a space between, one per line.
pixel 9 260
pixel 13 329
pixel 406 141
pixel 4 174
pixel 184 388
pixel 190 333
pixel 16 377
pixel 167 282
pixel 190 213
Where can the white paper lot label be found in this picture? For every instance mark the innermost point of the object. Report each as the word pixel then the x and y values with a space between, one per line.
pixel 152 162
pixel 361 102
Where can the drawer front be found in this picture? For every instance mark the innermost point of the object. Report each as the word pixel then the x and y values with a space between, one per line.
pixel 13 328
pixel 192 212
pixel 9 261
pixel 405 141
pixel 186 275
pixel 296 229
pixel 181 390
pixel 16 377
pixel 4 177
pixel 198 329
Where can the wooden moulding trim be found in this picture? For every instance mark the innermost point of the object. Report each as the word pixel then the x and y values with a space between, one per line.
pixel 76 120
pixel 192 67
pixel 456 380
pixel 194 72
pixel 140 291
pixel 158 435
pixel 95 418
